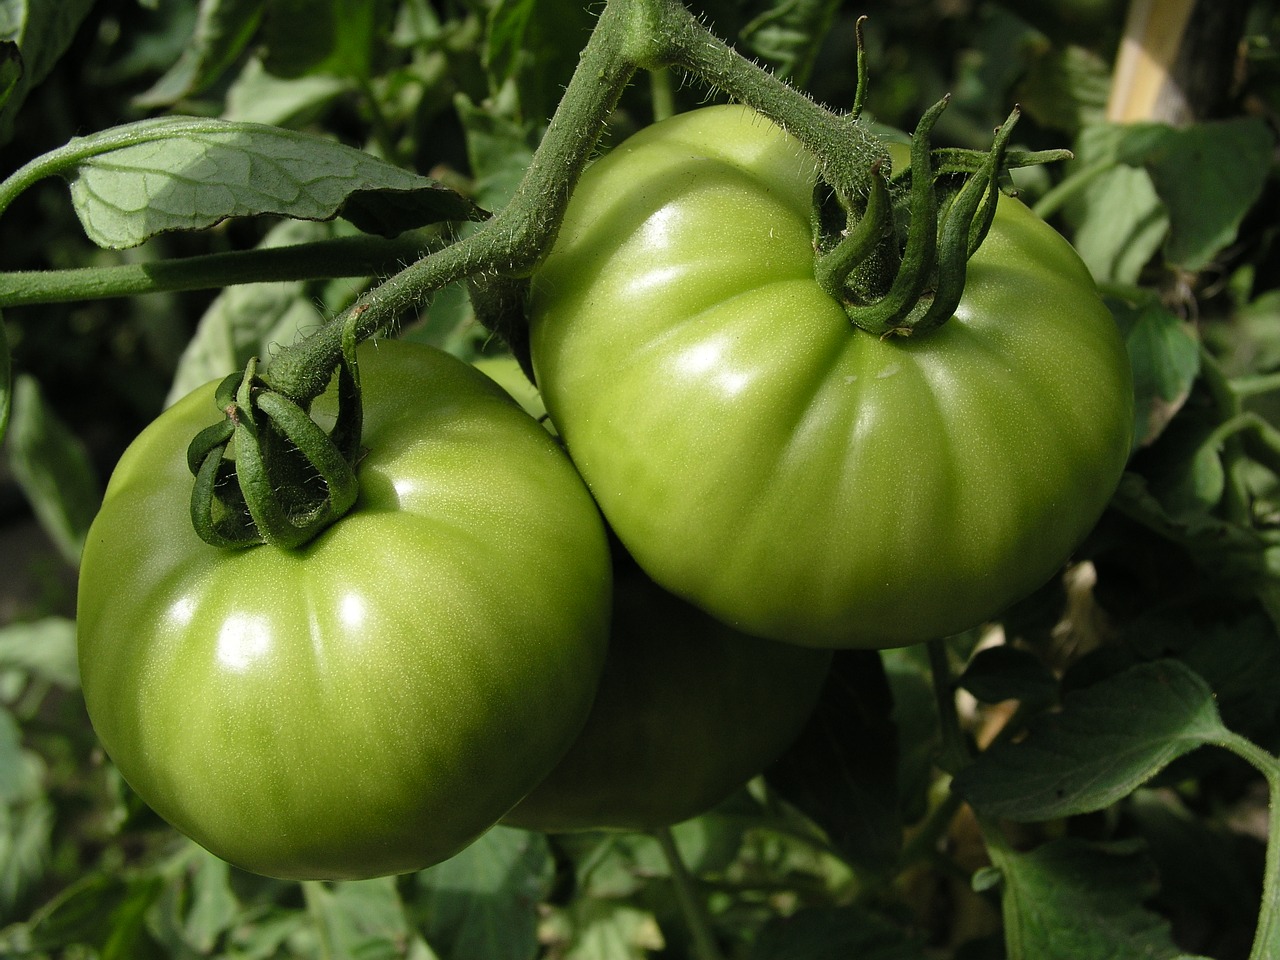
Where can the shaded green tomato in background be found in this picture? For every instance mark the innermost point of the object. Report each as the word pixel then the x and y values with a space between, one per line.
pixel 687 712
pixel 372 702
pixel 790 474
pixel 688 709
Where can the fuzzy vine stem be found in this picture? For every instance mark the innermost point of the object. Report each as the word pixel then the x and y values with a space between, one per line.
pixel 1266 938
pixel 360 256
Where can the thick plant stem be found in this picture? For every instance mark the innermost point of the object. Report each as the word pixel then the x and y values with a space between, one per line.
pixel 321 259
pixel 691 905
pixel 844 150
pixel 955 752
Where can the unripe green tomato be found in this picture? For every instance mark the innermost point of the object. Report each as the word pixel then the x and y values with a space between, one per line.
pixel 372 702
pixel 688 711
pixel 787 472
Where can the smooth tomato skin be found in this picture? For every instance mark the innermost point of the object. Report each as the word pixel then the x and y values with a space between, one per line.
pixel 688 710
pixel 371 703
pixel 783 470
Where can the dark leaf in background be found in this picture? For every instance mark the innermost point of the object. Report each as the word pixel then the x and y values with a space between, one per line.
pixel 484 902
pixel 835 933
pixel 1071 900
pixel 222 31
pixel 104 911
pixel 1209 175
pixel 42 31
pixel 536 44
pixel 1107 740
pixel 6 381
pixel 1165 355
pixel 842 770
pixel 336 37
pixel 789 35
pixel 1009 673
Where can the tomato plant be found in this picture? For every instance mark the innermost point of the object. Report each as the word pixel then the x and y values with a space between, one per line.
pixel 372 702
pixel 785 471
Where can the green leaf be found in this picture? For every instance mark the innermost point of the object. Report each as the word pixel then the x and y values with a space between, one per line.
pixel 535 43
pixel 53 469
pixel 1165 355
pixel 1120 224
pixel 1071 899
pixel 256 96
pixel 1065 87
pixel 42 31
pixel 842 770
pixel 186 173
pixel 246 321
pixel 790 34
pixel 610 930
pixel 10 71
pixel 484 901
pixel 336 37
pixel 361 918
pixel 44 649
pixel 101 910
pixel 6 381
pixel 499 150
pixel 1009 673
pixel 1107 740
pixel 1209 175
pixel 26 816
pixel 222 31
pixel 835 933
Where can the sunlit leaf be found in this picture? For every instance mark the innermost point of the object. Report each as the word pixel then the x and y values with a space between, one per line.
pixel 44 649
pixel 53 468
pixel 186 173
pixel 223 29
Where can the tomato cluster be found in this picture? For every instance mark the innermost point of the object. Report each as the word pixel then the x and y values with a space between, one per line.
pixel 462 648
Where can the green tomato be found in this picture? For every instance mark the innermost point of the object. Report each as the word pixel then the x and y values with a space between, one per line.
pixel 688 708
pixel 785 471
pixel 372 702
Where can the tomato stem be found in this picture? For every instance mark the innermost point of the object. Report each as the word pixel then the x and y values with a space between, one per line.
pixel 1266 940
pixel 691 904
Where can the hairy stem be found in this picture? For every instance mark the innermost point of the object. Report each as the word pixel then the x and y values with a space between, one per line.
pixel 1266 939
pixel 322 259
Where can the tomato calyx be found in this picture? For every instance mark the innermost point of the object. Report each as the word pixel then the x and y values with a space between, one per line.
pixel 289 478
pixel 901 281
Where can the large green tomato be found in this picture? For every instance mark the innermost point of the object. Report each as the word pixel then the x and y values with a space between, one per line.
pixel 372 702
pixel 783 470
pixel 688 708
